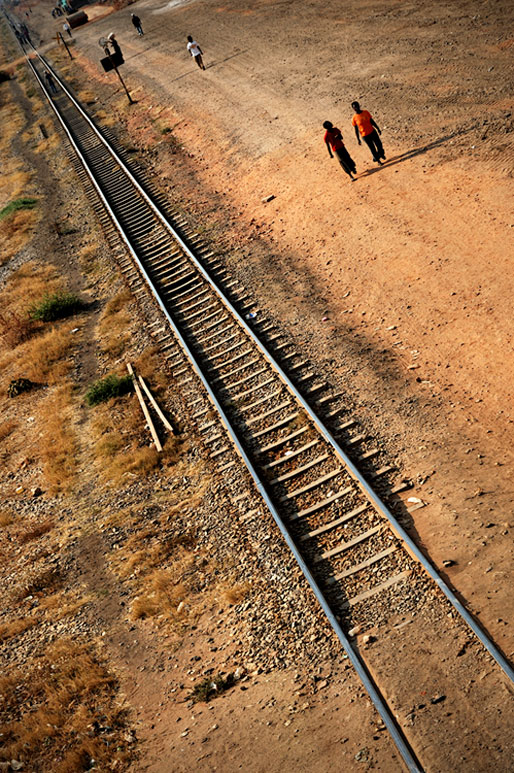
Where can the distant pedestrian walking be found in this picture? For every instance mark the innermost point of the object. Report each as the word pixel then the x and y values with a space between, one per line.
pixel 136 21
pixel 334 142
pixel 66 27
pixel 50 82
pixel 366 128
pixel 196 52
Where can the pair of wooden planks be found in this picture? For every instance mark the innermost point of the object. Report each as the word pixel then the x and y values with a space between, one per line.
pixel 144 407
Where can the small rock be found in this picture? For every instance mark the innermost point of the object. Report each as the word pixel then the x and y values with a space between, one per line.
pixel 37 491
pixel 438 699
pixel 354 631
pixel 449 562
pixel 267 199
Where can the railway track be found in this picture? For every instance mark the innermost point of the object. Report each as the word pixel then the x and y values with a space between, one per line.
pixel 272 407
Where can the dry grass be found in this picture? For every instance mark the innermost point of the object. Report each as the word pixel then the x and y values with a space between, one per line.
pixel 235 593
pixel 58 445
pixel 14 330
pixel 121 442
pixel 41 580
pixel 114 324
pixel 15 627
pixel 12 184
pixel 6 427
pixel 36 531
pixel 27 285
pixel 5 518
pixel 164 592
pixel 43 359
pixel 16 231
pixel 61 711
pixel 86 95
pixel 172 581
pixel 90 261
pixel 148 365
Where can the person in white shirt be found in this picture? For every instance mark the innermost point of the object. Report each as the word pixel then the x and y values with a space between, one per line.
pixel 66 27
pixel 196 52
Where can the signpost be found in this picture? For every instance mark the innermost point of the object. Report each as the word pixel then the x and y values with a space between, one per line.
pixel 60 39
pixel 112 62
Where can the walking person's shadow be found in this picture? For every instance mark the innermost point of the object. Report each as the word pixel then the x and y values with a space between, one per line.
pixel 415 152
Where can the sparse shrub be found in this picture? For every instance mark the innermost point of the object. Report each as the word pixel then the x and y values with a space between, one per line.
pixel 22 203
pixel 105 388
pixel 56 306
pixel 15 329
pixel 237 592
pixel 212 687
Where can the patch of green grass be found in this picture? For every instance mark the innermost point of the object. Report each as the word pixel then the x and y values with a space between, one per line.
pixel 14 206
pixel 105 388
pixel 56 306
pixel 212 686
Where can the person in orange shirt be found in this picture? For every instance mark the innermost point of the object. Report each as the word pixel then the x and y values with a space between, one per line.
pixel 366 128
pixel 334 142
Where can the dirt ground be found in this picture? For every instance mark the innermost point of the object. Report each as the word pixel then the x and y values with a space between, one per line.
pixel 411 264
pixel 398 285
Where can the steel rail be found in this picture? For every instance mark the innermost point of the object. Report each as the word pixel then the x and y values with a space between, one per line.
pixel 383 709
pixel 394 729
pixel 381 507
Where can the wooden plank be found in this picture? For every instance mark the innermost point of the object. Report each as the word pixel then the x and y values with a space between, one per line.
pixel 144 409
pixel 298 470
pixel 282 441
pixel 324 503
pixel 377 589
pixel 277 425
pixel 292 454
pixel 313 484
pixel 363 565
pixel 336 523
pixel 347 545
pixel 158 411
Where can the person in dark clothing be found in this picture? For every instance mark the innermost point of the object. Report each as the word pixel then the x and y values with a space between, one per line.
pixel 50 82
pixel 136 21
pixel 366 128
pixel 334 142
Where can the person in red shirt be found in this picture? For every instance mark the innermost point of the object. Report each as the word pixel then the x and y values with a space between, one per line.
pixel 334 142
pixel 366 128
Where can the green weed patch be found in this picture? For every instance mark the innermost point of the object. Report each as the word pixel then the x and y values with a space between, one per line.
pixel 16 204
pixel 105 388
pixel 56 306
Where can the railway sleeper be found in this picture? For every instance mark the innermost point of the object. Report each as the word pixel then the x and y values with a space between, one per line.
pixel 334 524
pixel 362 565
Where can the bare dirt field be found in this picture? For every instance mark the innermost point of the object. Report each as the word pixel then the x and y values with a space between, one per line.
pixel 399 286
